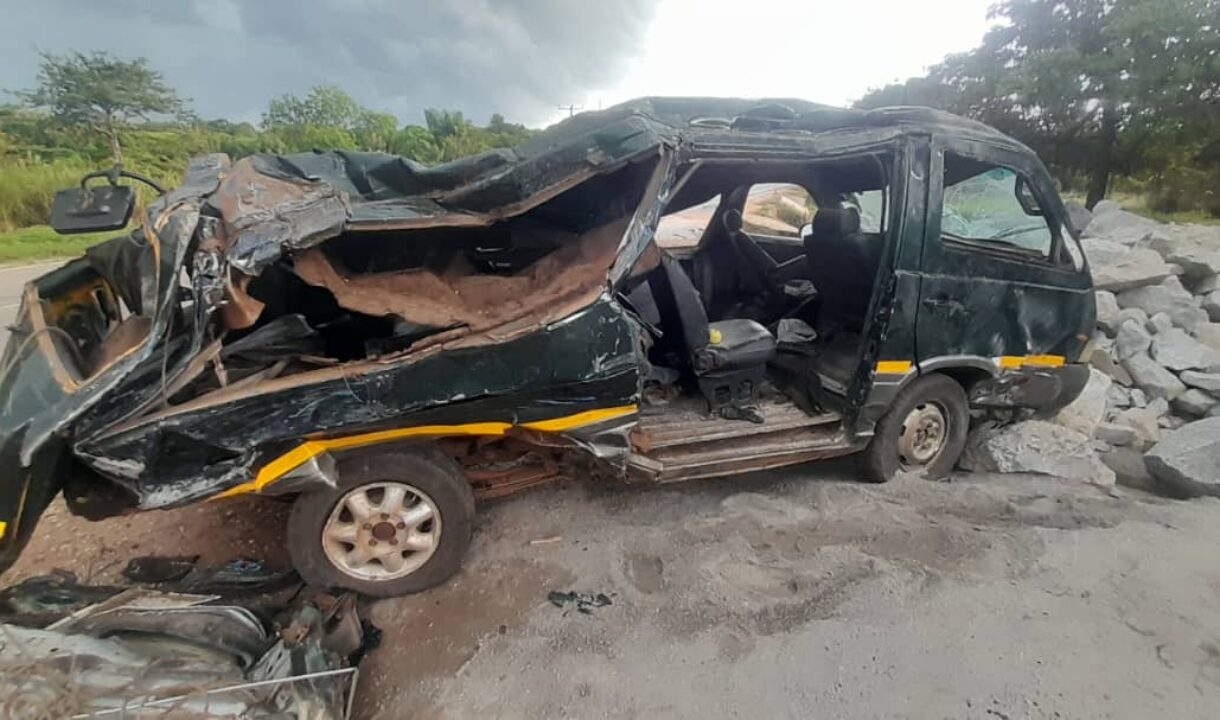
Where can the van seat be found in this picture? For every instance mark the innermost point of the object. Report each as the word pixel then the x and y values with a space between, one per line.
pixel 843 266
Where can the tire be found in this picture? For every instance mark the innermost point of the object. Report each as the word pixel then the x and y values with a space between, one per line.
pixel 882 459
pixel 433 488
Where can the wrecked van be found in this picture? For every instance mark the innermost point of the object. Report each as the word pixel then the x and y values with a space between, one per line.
pixel 666 290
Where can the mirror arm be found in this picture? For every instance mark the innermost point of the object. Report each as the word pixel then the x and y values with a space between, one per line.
pixel 113 174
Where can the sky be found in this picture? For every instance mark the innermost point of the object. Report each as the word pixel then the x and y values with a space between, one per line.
pixel 521 58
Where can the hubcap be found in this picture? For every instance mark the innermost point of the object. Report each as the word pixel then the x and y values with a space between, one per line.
pixel 923 434
pixel 382 531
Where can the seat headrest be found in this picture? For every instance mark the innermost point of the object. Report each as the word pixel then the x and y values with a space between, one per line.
pixel 836 221
pixel 732 221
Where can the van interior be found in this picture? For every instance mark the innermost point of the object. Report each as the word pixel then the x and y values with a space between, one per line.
pixel 781 270
pixel 757 310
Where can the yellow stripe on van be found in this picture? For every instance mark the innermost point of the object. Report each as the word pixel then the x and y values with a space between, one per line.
pixel 310 449
pixel 3 529
pixel 893 367
pixel 1045 360
pixel 1014 362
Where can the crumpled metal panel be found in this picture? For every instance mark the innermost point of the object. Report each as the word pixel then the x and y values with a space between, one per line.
pixel 588 361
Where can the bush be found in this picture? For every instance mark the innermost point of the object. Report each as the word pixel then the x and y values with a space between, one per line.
pixel 1183 189
pixel 26 190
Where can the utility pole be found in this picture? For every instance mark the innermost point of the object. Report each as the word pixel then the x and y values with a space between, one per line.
pixel 571 109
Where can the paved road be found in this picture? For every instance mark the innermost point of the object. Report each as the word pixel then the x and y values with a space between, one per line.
pixel 12 280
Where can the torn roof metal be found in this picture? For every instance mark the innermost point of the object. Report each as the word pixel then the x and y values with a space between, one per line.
pixel 276 202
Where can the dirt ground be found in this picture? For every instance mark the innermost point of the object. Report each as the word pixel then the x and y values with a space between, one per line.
pixel 783 594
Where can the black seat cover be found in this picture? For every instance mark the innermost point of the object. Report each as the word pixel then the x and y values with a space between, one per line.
pixel 843 266
pixel 756 264
pixel 708 347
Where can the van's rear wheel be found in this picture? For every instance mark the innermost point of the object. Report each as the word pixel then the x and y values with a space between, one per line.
pixel 923 431
pixel 399 522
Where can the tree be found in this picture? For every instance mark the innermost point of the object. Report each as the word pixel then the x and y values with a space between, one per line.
pixel 445 123
pixel 324 106
pixel 417 143
pixel 102 93
pixel 1092 85
pixel 375 130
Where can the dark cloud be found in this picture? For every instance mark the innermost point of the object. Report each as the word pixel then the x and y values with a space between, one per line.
pixel 521 58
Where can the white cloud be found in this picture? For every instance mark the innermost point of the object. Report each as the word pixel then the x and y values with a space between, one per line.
pixel 820 50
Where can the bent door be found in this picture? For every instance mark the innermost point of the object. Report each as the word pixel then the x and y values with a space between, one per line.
pixel 1001 277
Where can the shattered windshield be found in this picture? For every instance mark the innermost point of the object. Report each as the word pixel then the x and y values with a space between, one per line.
pixel 984 207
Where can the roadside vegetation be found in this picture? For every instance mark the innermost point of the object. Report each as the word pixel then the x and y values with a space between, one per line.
pixel 90 110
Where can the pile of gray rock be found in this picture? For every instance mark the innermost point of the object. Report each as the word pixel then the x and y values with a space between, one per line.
pixel 1150 414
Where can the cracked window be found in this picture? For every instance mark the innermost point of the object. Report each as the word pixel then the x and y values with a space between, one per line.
pixel 992 205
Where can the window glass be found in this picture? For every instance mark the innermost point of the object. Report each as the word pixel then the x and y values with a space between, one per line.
pixel 982 205
pixel 778 210
pixel 871 204
pixel 685 227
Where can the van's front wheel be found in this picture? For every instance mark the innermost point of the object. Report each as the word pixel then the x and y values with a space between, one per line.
pixel 923 431
pixel 399 522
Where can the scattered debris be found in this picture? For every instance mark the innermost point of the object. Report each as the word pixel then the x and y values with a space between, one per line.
pixel 547 540
pixel 145 652
pixel 584 602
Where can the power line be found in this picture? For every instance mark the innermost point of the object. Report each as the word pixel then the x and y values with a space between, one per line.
pixel 571 109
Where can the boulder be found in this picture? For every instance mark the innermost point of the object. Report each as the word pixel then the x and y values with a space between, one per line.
pixel 1132 339
pixel 1195 247
pixel 1159 323
pixel 1103 361
pixel 1211 305
pixel 1143 421
pixel 1104 207
pixel 1206 285
pixel 1209 382
pixel 1138 398
pixel 1129 468
pixel 1089 408
pixel 1176 350
pixel 1115 434
pixel 1186 462
pixel 1107 312
pixel 1133 269
pixel 1119 225
pixel 1035 446
pixel 1166 297
pixel 1194 403
pixel 1152 378
pixel 1209 335
pixel 1078 215
pixel 1118 397
pixel 1189 317
pixel 1135 314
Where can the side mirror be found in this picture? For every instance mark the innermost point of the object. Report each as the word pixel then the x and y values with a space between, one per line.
pixel 1026 198
pixel 92 209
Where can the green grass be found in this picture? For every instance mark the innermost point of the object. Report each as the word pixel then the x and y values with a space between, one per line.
pixel 40 242
pixel 26 190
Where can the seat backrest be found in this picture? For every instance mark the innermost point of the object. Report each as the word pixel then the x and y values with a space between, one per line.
pixel 678 304
pixel 843 266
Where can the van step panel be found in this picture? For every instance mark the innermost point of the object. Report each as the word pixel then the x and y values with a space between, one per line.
pixel 688 445
pixel 690 423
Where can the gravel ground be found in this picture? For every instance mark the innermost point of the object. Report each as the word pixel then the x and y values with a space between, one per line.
pixel 790 593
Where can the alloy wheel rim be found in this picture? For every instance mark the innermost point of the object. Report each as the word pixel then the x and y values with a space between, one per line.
pixel 382 531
